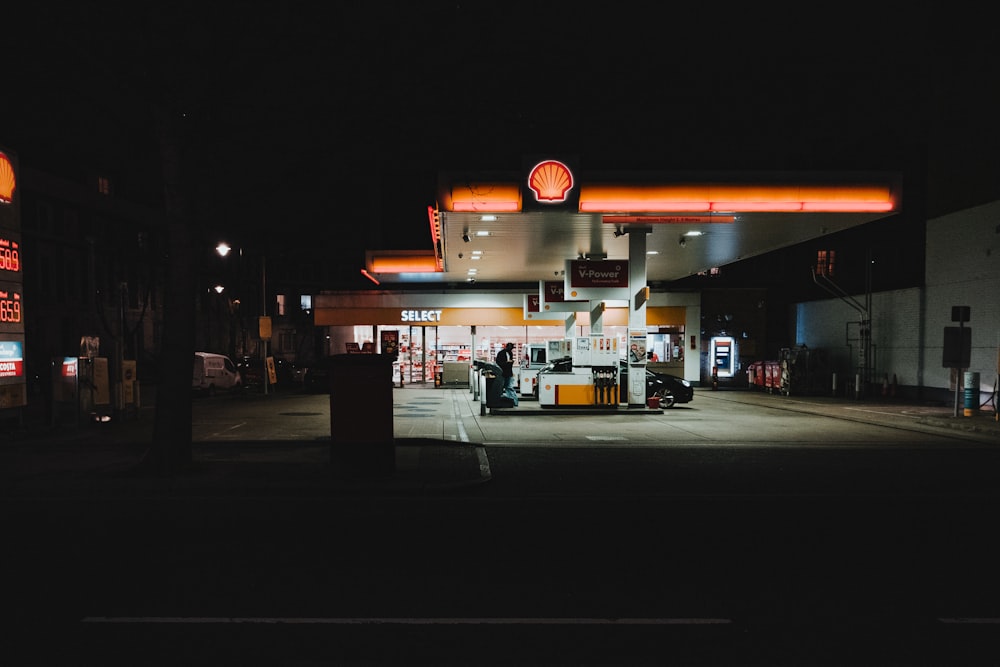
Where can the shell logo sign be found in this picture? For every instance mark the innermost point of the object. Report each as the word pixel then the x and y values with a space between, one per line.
pixel 551 181
pixel 7 183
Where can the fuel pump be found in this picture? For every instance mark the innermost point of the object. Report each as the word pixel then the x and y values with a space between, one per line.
pixel 605 385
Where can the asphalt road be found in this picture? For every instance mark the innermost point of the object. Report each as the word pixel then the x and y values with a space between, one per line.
pixel 861 544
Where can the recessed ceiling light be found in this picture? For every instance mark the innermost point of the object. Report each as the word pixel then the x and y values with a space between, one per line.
pixel 488 218
pixel 482 232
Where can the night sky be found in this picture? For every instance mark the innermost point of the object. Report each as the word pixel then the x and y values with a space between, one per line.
pixel 338 117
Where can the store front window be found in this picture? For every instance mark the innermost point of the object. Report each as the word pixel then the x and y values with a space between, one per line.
pixel 422 350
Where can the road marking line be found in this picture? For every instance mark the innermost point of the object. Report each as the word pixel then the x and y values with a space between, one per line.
pixel 220 434
pixel 198 620
pixel 875 412
pixel 457 413
pixel 484 463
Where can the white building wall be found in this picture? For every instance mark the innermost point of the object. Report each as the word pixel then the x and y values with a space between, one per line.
pixel 963 269
pixel 833 326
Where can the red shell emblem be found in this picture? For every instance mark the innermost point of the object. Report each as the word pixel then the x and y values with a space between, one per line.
pixel 6 180
pixel 550 181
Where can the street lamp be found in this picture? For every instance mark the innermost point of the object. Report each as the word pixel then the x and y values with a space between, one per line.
pixel 223 249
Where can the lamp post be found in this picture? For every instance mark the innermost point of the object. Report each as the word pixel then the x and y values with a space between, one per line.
pixel 234 316
pixel 265 322
pixel 264 327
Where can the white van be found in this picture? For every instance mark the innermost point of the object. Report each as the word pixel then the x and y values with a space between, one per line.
pixel 214 371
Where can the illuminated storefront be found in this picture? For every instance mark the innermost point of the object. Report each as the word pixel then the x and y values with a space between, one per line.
pixel 435 328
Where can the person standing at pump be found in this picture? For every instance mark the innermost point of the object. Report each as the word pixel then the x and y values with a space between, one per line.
pixel 505 360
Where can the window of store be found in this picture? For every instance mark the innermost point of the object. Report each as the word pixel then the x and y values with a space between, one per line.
pixel 665 345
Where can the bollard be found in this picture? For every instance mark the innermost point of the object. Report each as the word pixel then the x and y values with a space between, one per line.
pixel 971 385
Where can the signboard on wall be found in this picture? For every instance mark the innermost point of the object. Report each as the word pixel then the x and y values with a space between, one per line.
pixel 637 347
pixel 957 351
pixel 11 361
pixel 390 342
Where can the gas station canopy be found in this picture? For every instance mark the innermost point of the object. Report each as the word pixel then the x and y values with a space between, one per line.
pixel 516 228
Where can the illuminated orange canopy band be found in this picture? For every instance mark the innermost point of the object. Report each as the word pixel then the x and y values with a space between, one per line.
pixel 691 198
pixel 7 183
pixel 486 197
pixel 402 262
pixel 735 198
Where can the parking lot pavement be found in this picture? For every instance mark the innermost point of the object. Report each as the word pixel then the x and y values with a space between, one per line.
pixel 438 436
pixel 981 424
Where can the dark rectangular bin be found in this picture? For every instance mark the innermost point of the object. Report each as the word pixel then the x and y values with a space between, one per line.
pixel 361 428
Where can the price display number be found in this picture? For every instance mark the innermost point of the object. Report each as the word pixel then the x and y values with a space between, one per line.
pixel 10 307
pixel 10 255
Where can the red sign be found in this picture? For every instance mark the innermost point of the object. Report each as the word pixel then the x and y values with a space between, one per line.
pixel 7 182
pixel 11 369
pixel 534 304
pixel 550 181
pixel 555 291
pixel 607 273
pixel 665 219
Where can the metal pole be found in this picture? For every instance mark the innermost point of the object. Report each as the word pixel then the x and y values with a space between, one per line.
pixel 263 307
pixel 959 382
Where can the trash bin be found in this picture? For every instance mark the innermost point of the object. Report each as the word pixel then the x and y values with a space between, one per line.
pixel 438 378
pixel 361 428
pixel 494 387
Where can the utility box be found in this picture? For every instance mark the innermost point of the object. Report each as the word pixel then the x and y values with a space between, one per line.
pixel 361 427
pixel 455 374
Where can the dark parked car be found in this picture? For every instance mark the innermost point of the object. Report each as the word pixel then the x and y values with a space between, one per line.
pixel 316 378
pixel 670 389
pixel 252 372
